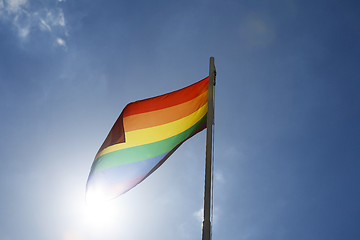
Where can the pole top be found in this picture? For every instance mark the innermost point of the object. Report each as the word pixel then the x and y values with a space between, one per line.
pixel 212 69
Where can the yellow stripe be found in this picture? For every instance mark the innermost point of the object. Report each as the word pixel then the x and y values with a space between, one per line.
pixel 158 133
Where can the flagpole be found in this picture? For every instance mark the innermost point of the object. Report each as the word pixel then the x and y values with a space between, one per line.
pixel 206 234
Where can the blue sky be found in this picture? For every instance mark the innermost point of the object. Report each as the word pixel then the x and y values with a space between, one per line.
pixel 287 116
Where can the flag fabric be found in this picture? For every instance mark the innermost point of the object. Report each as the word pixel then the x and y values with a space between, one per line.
pixel 146 133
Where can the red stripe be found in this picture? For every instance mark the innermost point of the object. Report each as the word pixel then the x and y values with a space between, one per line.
pixel 167 100
pixel 166 115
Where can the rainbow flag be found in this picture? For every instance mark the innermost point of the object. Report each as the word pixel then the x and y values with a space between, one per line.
pixel 146 133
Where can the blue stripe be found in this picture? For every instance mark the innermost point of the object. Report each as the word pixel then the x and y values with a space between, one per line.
pixel 124 172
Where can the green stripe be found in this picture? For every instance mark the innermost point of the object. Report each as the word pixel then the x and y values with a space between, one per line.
pixel 143 152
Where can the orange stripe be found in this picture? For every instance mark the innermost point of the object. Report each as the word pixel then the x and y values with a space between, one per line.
pixel 163 116
pixel 167 100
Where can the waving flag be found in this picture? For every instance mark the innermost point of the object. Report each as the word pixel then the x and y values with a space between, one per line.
pixel 146 133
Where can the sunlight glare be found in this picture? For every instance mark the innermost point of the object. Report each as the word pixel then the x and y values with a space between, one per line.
pixel 99 214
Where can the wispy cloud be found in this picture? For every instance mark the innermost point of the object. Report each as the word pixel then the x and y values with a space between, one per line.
pixel 219 177
pixel 21 24
pixel 199 215
pixel 44 26
pixel 61 42
pixel 14 6
pixel 25 19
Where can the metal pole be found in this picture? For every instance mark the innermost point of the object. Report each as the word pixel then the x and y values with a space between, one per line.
pixel 206 234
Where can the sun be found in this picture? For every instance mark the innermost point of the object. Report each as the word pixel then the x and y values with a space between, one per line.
pixel 99 214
